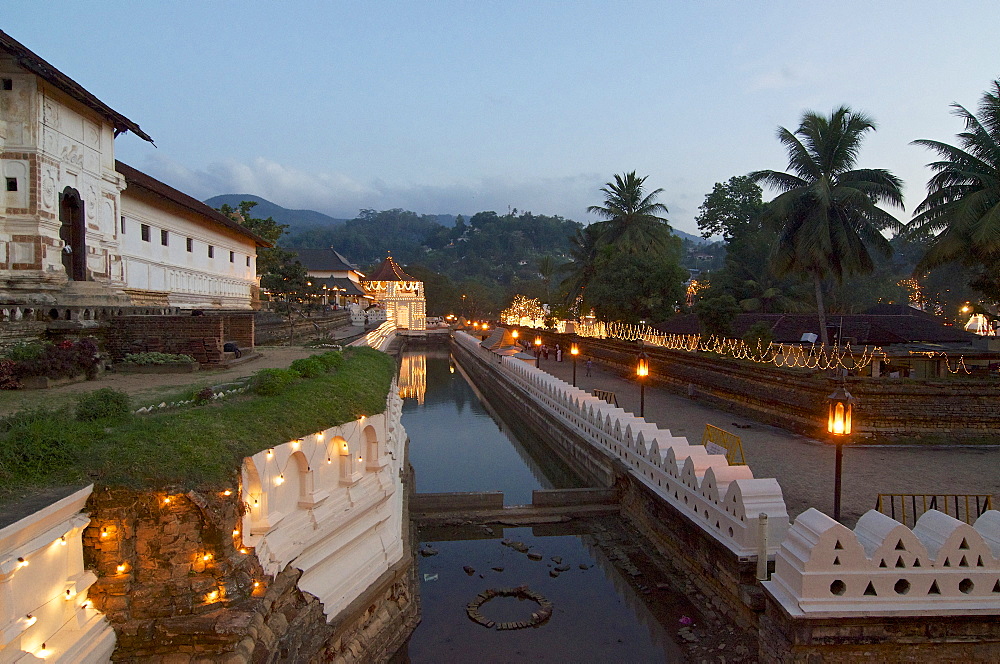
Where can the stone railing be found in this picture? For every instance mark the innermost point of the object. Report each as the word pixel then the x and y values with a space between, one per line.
pixel 379 338
pixel 942 567
pixel 724 501
pixel 44 612
pixel 331 505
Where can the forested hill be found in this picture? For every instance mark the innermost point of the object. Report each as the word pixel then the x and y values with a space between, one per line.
pixel 294 219
pixel 504 248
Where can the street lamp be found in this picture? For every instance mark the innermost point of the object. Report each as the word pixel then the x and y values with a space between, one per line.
pixel 538 352
pixel 574 350
pixel 641 371
pixel 840 405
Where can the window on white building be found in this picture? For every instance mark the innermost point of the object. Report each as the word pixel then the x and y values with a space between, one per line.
pixel 163 238
pixel 211 251
pixel 232 256
pixel 190 245
pixel 144 232
pixel 11 184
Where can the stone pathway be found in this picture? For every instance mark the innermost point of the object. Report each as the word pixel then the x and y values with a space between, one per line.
pixel 804 467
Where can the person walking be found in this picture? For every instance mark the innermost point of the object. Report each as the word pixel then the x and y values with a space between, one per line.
pixel 558 353
pixel 590 365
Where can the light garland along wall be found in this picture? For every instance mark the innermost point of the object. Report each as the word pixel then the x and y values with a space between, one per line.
pixel 44 612
pixel 330 504
pixel 822 568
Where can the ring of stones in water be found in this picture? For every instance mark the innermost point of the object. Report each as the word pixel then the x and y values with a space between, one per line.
pixel 538 617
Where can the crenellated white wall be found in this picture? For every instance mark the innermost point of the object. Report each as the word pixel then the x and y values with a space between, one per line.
pixel 942 567
pixel 44 612
pixel 330 504
pixel 724 501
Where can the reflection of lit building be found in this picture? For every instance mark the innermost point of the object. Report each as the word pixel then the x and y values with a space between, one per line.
pixel 413 377
pixel 979 324
pixel 400 294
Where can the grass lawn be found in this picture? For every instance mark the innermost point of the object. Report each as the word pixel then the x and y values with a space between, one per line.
pixel 192 447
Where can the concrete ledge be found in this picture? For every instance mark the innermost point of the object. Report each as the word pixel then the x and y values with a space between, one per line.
pixel 571 497
pixel 456 502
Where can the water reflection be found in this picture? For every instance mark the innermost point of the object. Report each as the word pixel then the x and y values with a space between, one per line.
pixel 601 611
pixel 459 444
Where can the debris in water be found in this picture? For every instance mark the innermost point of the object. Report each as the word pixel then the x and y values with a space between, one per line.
pixel 468 570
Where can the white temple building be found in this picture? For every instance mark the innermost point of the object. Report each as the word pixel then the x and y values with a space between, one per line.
pixel 401 295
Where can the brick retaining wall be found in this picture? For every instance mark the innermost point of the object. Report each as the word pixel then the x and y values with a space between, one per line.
pixel 162 605
pixel 201 337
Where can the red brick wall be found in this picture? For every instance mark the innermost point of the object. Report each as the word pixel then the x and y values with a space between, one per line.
pixel 200 337
pixel 239 328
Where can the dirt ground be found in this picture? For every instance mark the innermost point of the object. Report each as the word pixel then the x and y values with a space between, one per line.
pixel 147 389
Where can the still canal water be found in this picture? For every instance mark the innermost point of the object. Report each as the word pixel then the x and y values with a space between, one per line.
pixel 457 443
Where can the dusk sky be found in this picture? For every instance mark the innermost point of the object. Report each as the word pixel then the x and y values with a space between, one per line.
pixel 457 107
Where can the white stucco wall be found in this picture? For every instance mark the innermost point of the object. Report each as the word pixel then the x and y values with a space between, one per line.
pixel 330 504
pixel 43 589
pixel 192 278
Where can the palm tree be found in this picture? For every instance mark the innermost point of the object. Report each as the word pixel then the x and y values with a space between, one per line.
pixel 827 214
pixel 582 264
pixel 631 222
pixel 962 208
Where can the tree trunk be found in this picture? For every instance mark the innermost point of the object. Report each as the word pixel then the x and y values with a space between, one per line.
pixel 818 282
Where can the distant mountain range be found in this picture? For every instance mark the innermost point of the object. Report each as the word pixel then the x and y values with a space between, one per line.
pixel 296 219
pixel 302 219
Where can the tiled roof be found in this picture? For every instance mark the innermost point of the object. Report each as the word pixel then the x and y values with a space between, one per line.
pixel 326 260
pixel 137 180
pixel 389 270
pixel 343 283
pixel 36 65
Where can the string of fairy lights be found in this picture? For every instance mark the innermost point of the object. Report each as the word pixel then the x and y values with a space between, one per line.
pixel 812 356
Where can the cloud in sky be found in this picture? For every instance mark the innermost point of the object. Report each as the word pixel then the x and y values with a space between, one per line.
pixel 341 195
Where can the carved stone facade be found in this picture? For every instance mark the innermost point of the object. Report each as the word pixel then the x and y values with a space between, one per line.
pixel 64 218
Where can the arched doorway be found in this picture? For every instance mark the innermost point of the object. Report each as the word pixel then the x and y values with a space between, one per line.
pixel 73 232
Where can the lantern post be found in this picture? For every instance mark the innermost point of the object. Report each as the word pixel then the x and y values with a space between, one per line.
pixel 641 371
pixel 538 352
pixel 840 406
pixel 574 350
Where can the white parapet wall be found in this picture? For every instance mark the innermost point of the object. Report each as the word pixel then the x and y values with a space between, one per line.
pixel 44 613
pixel 724 501
pixel 823 569
pixel 379 338
pixel 330 504
pixel 942 567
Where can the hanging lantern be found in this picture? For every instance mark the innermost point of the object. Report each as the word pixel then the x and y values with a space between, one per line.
pixel 642 365
pixel 840 407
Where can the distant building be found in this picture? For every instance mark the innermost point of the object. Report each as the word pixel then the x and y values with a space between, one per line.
pixel 401 295
pixel 338 278
pixel 78 228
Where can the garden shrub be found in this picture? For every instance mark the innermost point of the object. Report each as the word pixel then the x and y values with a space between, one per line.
pixel 759 333
pixel 308 367
pixel 65 359
pixel 26 350
pixel 105 403
pixel 156 358
pixel 8 375
pixel 268 382
pixel 204 395
pixel 331 360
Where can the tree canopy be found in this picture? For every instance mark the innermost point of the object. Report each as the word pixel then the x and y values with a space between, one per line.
pixel 827 212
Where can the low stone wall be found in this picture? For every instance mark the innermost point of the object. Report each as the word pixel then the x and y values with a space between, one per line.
pixel 966 410
pixel 441 502
pixel 271 328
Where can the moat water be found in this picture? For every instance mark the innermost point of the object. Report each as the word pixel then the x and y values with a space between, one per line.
pixel 607 606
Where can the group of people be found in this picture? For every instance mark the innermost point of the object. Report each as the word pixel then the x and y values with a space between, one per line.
pixel 556 351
